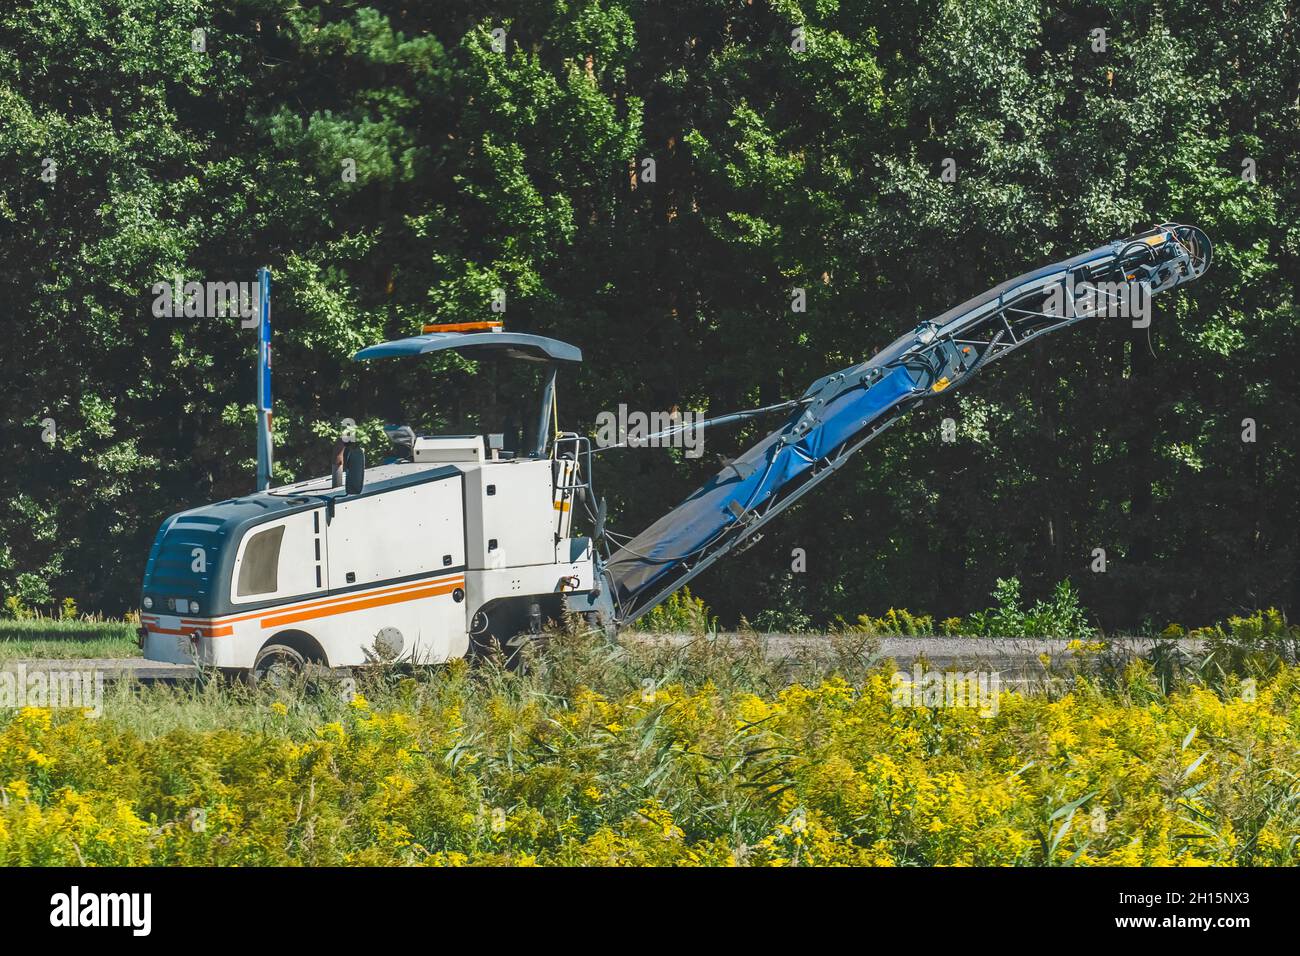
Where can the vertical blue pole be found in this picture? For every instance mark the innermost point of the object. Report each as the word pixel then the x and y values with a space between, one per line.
pixel 264 456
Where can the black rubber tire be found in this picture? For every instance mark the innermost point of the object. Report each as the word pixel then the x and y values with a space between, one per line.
pixel 276 664
pixel 488 646
pixel 506 633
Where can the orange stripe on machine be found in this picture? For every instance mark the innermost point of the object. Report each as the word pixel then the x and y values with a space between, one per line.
pixel 307 614
pixel 322 602
pixel 189 627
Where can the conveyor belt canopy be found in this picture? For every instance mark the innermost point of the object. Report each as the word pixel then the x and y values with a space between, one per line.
pixel 843 411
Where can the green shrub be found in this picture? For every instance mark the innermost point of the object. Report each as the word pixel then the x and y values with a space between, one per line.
pixel 16 610
pixel 897 622
pixel 783 621
pixel 1249 647
pixel 683 612
pixel 1061 616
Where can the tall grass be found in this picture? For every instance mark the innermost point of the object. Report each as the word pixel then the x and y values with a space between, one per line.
pixel 713 752
pixel 555 670
pixel 49 637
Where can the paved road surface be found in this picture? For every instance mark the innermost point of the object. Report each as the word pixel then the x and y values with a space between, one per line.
pixel 1012 657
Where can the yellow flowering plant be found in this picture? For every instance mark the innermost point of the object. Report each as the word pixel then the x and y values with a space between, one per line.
pixel 659 760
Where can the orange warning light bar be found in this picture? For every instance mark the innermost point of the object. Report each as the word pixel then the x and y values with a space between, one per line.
pixel 491 325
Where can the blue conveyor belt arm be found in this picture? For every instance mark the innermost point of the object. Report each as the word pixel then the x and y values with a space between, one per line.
pixel 841 412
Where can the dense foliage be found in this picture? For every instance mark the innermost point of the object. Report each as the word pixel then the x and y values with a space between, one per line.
pixel 795 145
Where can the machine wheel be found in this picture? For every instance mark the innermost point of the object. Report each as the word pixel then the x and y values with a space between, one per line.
pixel 487 646
pixel 506 629
pixel 276 665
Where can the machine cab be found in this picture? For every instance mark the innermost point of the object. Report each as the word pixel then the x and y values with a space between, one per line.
pixel 452 537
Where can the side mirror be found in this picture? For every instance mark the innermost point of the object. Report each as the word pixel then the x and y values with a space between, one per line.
pixel 354 469
pixel 349 469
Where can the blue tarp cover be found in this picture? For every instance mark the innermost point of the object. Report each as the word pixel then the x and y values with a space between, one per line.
pixel 766 468
pixel 702 519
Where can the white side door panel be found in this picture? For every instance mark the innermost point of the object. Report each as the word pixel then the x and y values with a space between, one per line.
pixel 397 534
pixel 397 557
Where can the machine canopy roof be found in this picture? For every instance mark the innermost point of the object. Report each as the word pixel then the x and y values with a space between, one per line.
pixel 518 345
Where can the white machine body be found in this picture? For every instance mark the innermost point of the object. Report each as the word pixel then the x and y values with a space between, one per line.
pixel 453 543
